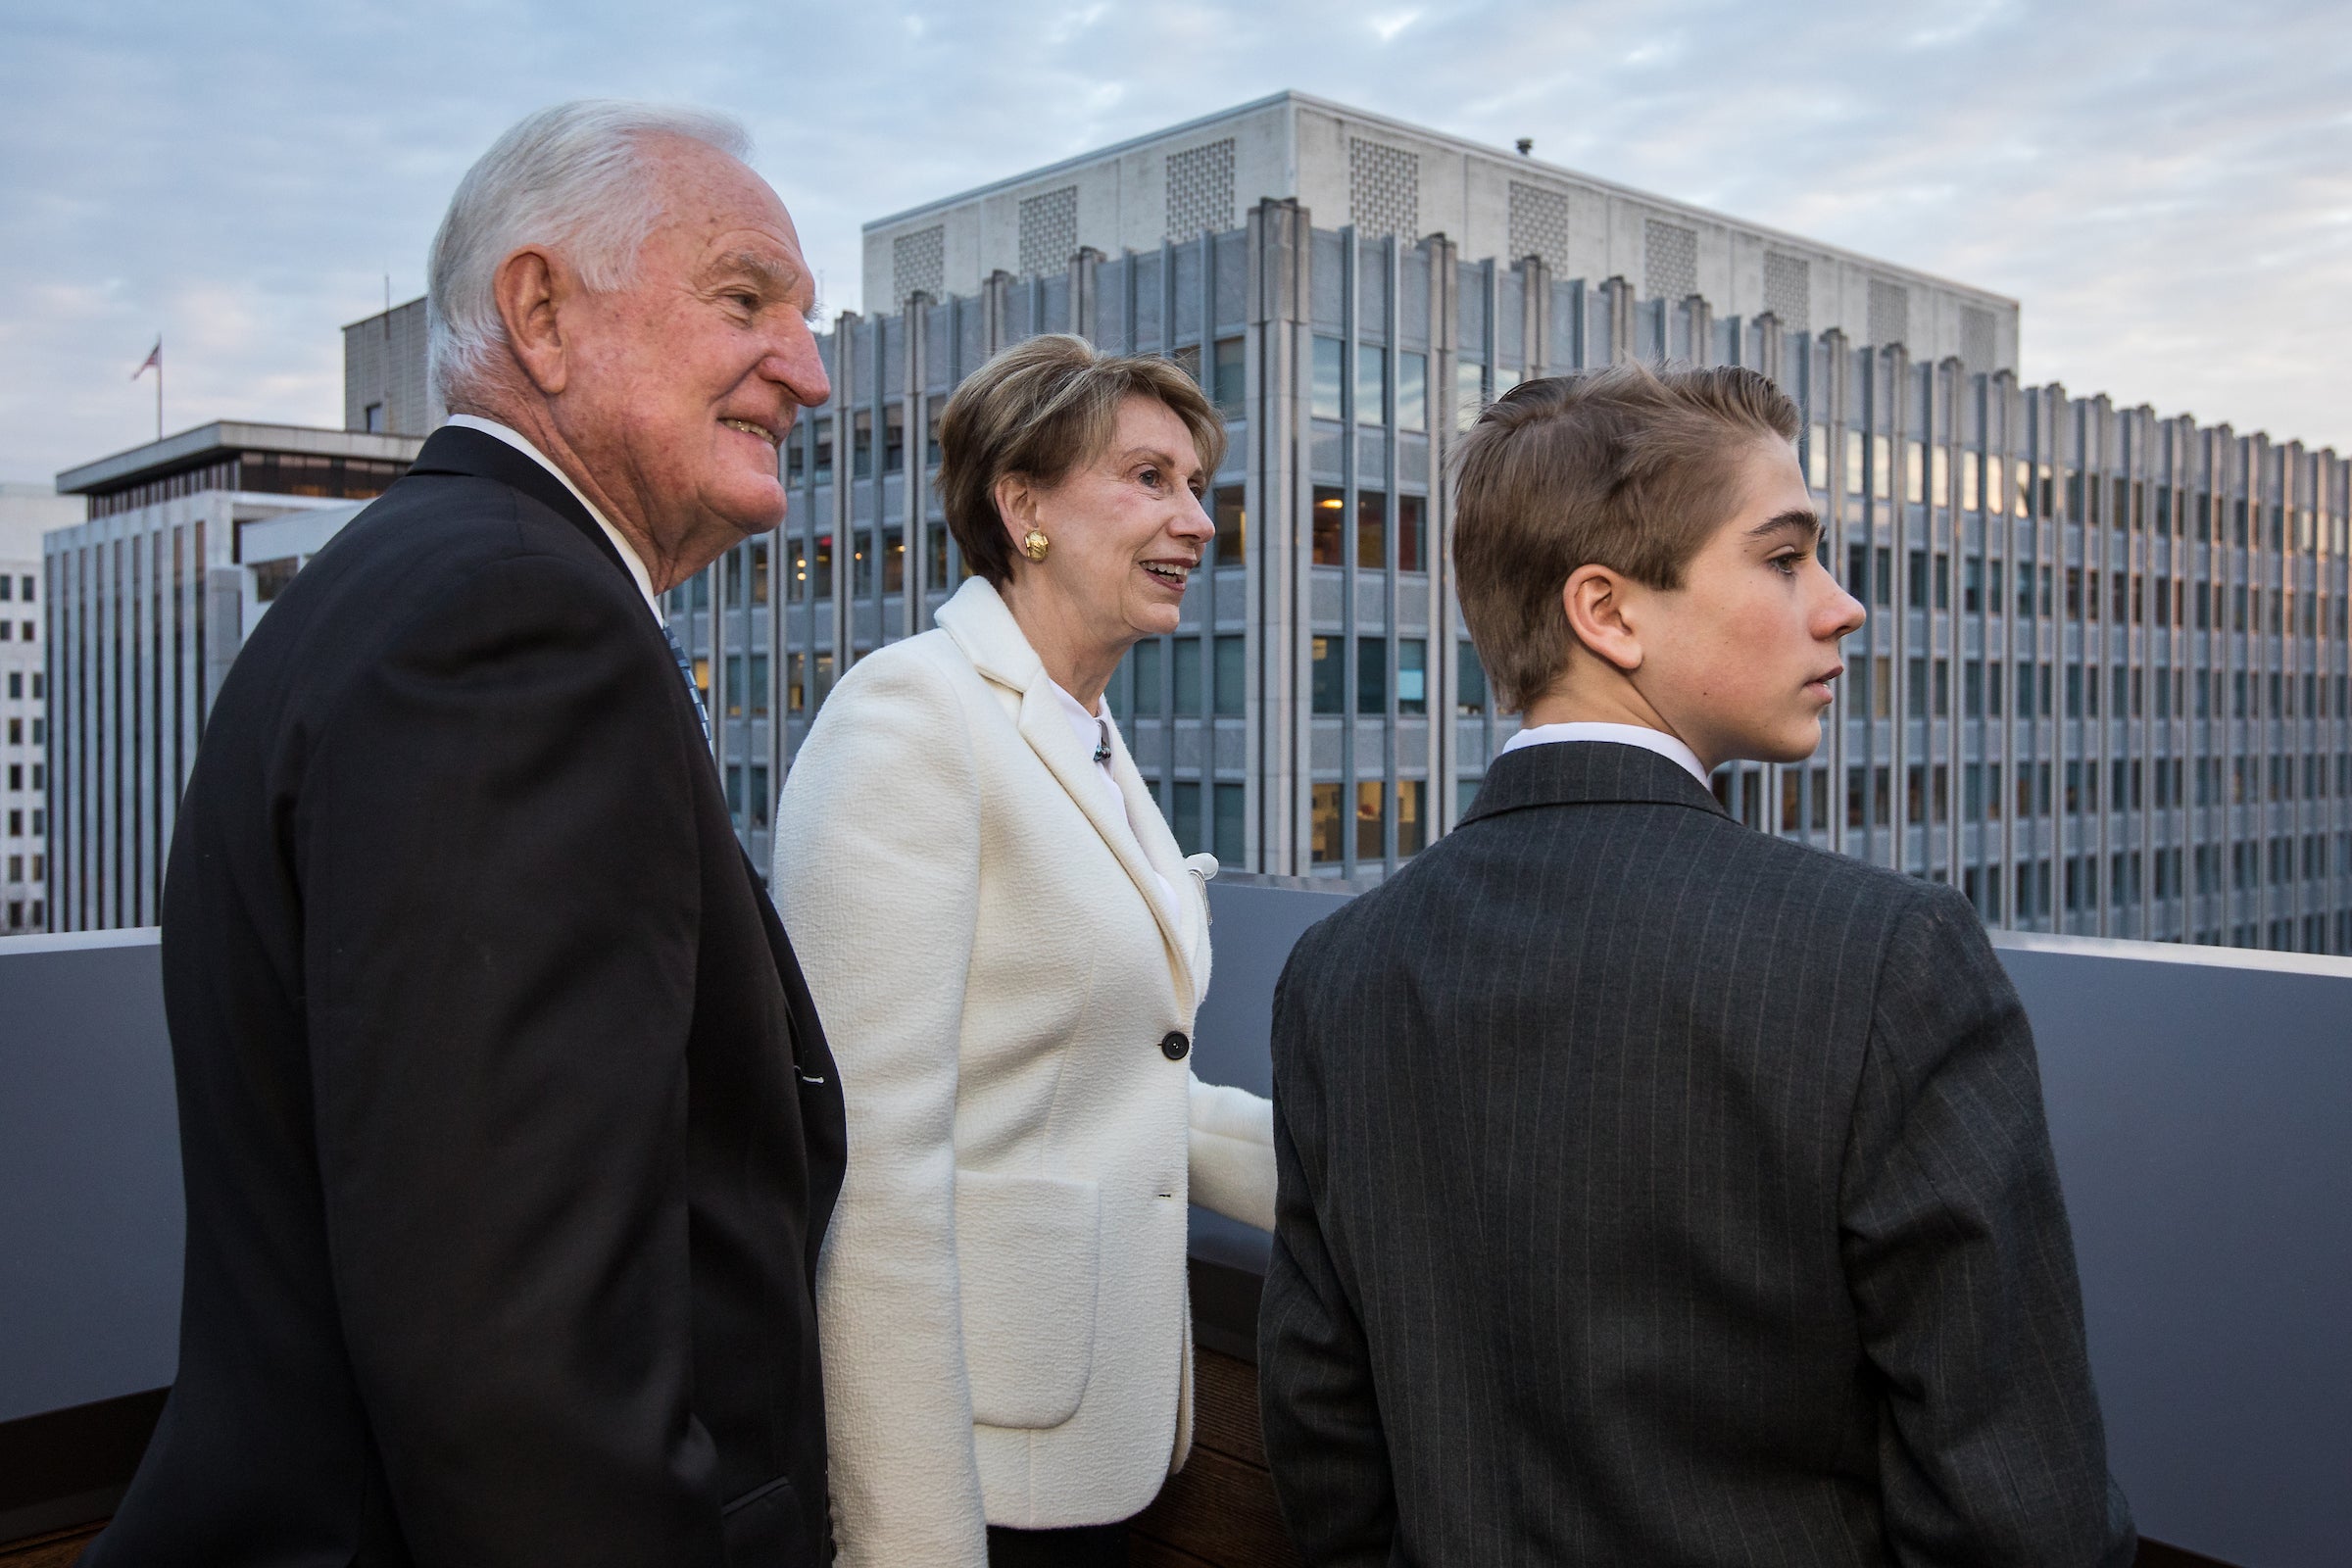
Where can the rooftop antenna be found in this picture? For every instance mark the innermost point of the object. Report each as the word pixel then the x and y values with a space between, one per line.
pixel 1527 146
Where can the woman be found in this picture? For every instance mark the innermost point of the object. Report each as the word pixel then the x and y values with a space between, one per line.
pixel 1007 951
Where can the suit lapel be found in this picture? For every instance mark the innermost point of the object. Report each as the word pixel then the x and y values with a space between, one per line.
pixel 981 626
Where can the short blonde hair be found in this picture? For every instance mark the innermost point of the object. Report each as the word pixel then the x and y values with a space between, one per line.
pixel 1630 468
pixel 1041 408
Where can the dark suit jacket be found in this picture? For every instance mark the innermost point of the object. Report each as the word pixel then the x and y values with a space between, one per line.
pixel 1654 1192
pixel 509 1128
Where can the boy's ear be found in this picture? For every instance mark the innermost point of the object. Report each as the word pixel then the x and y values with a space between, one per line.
pixel 1595 600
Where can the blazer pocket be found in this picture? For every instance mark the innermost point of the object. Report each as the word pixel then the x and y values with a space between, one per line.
pixel 766 1525
pixel 1026 1252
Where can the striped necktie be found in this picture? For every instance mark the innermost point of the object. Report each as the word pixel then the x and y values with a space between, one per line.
pixel 686 673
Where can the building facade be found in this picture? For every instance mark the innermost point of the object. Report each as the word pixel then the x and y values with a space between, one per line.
pixel 25 510
pixel 2102 689
pixel 1382 176
pixel 149 599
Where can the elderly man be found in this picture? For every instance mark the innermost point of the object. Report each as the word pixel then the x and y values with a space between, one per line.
pixel 509 1132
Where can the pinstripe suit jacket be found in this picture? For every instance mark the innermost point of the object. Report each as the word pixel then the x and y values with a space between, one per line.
pixel 1655 1192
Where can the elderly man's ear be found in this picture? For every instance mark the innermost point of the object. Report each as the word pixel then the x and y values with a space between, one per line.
pixel 529 288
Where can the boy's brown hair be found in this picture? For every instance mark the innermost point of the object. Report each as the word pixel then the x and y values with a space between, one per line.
pixel 1043 407
pixel 1631 468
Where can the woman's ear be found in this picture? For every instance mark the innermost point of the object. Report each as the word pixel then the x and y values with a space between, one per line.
pixel 1596 600
pixel 1016 507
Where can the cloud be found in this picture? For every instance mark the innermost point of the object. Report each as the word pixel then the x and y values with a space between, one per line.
pixel 2171 200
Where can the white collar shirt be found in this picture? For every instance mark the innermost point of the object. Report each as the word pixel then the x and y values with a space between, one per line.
pixel 1093 731
pixel 1649 740
pixel 522 444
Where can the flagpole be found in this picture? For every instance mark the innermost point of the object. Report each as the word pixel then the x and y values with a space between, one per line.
pixel 158 387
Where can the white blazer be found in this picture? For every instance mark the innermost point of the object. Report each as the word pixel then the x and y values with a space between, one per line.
pixel 1001 1293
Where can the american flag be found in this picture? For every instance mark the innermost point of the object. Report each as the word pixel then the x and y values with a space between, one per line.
pixel 153 361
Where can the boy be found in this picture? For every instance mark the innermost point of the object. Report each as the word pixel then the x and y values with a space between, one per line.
pixel 1654 1191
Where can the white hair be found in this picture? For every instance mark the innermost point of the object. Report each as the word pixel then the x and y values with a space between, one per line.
pixel 571 176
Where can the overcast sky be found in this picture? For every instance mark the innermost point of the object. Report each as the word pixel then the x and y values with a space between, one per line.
pixel 2166 187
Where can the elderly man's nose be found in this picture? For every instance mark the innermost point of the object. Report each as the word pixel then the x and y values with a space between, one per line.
pixel 797 364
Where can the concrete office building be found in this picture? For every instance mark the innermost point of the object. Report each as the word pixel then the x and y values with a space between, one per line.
pixel 1382 177
pixel 148 601
pixel 2103 687
pixel 25 510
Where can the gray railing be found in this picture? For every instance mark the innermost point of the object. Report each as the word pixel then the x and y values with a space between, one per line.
pixel 2197 1097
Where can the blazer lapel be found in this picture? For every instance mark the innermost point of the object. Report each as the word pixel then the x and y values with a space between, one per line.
pixel 977 619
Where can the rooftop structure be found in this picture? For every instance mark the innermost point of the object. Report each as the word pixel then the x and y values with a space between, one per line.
pixel 386 388
pixel 1382 177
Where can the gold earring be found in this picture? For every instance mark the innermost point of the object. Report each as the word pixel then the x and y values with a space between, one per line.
pixel 1035 545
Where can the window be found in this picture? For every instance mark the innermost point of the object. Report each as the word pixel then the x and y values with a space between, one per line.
pixel 1469 392
pixel 1146 660
pixel 1185 816
pixel 1412 391
pixel 1469 681
pixel 1412 675
pixel 862 444
pixel 1371 675
pixel 1408 533
pixel 756 690
pixel 1232 524
pixel 1371 820
pixel 1371 384
pixel 1881 466
pixel 935 556
pixel 796 579
pixel 1854 462
pixel 1817 457
pixel 1232 676
pixel 894 436
pixel 1330 512
pixel 1972 471
pixel 1330 678
pixel 1229 386
pixel 821 465
pixel 758 571
pixel 1325 823
pixel 796 676
pixel 372 417
pixel 1915 477
pixel 1371 530
pixel 1328 401
pixel 1412 816
pixel 820 567
pixel 1188 359
pixel 1187 677
pixel 932 409
pixel 1232 838
pixel 861 566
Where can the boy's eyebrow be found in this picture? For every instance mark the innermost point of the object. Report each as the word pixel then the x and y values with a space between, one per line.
pixel 1799 520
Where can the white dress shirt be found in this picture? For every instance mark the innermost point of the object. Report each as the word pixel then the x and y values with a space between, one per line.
pixel 521 443
pixel 1649 740
pixel 1087 727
